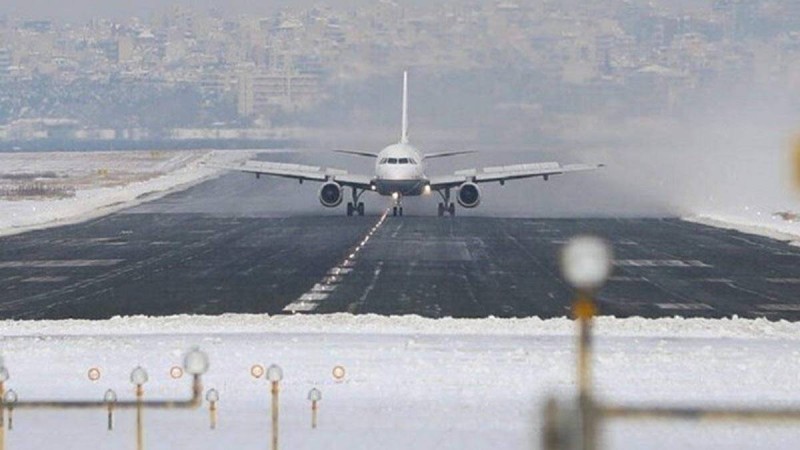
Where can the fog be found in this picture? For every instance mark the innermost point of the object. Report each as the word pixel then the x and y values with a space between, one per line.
pixel 728 153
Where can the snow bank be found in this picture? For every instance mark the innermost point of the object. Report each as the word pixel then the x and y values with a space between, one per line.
pixel 761 224
pixel 145 182
pixel 371 324
pixel 410 382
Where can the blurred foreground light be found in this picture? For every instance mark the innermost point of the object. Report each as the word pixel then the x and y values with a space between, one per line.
pixel 110 396
pixel 139 376
pixel 196 362
pixel 3 375
pixel 586 262
pixel 314 395
pixel 796 162
pixel 10 398
pixel 212 395
pixel 274 373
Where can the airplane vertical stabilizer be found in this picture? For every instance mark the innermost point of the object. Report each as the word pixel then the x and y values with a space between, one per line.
pixel 404 135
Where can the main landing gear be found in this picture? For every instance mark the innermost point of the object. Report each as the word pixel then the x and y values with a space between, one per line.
pixel 355 206
pixel 447 206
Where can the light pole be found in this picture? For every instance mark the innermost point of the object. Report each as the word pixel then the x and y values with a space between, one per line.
pixel 314 395
pixel 3 378
pixel 195 363
pixel 139 378
pixel 10 399
pixel 586 263
pixel 110 398
pixel 212 396
pixel 274 376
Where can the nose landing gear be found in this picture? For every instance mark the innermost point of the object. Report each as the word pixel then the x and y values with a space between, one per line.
pixel 397 208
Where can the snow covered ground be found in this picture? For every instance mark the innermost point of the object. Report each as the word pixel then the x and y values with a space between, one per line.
pixel 760 223
pixel 410 383
pixel 103 182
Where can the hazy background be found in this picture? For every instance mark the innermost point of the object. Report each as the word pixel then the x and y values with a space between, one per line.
pixel 693 105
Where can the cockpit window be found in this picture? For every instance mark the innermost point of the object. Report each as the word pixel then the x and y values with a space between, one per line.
pixel 412 161
pixel 392 160
pixel 403 160
pixel 383 161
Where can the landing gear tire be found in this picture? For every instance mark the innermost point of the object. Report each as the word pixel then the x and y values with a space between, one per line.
pixel 394 211
pixel 450 209
pixel 350 209
pixel 360 209
pixel 401 211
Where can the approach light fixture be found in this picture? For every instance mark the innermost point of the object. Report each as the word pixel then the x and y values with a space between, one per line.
pixel 196 362
pixel 139 376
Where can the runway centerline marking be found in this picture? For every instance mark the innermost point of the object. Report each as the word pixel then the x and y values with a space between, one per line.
pixel 353 307
pixel 660 263
pixel 310 300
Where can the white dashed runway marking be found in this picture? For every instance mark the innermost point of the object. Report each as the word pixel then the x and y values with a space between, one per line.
pixel 320 292
pixel 58 263
pixel 685 306
pixel 660 263
pixel 779 307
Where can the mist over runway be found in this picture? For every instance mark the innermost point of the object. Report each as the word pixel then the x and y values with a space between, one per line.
pixel 239 245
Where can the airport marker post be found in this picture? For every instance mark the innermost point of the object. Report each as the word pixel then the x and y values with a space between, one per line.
pixel 110 398
pixel 10 399
pixel 213 397
pixel 139 378
pixel 586 263
pixel 3 379
pixel 195 362
pixel 315 396
pixel 274 376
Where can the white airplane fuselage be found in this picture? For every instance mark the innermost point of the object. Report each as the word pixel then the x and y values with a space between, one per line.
pixel 400 170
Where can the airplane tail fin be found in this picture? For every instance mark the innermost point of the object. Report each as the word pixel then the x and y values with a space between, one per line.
pixel 404 135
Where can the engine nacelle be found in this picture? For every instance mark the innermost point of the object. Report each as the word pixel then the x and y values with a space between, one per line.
pixel 469 196
pixel 330 194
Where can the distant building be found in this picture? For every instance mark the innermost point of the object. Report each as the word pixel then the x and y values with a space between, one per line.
pixel 5 62
pixel 261 92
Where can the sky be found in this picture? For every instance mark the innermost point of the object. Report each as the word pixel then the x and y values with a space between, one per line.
pixel 80 10
pixel 86 9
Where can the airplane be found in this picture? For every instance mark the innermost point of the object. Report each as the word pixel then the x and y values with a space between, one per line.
pixel 400 172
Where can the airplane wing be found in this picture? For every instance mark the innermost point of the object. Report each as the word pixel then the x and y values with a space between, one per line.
pixel 357 153
pixel 502 174
pixel 446 154
pixel 303 173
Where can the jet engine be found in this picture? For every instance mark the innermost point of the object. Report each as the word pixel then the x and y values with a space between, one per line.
pixel 469 196
pixel 330 194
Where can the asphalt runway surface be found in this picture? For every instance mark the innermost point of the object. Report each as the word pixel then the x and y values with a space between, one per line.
pixel 238 245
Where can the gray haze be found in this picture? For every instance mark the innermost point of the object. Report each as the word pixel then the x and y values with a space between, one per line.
pixel 691 104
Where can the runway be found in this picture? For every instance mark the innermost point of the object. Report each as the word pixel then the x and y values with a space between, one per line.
pixel 233 245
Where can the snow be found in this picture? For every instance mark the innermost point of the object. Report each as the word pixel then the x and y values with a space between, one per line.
pixel 761 224
pixel 411 382
pixel 104 182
